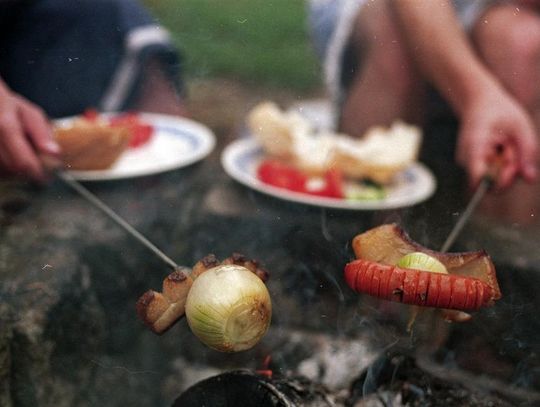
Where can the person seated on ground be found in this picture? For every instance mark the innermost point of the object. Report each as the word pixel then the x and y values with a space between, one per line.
pixel 61 57
pixel 482 57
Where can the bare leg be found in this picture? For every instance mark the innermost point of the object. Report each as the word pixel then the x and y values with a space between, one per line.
pixel 386 86
pixel 508 40
pixel 157 94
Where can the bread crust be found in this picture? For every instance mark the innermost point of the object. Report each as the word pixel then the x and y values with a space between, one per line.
pixel 88 145
pixel 379 156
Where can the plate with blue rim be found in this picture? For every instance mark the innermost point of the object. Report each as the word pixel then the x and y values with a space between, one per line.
pixel 415 184
pixel 176 142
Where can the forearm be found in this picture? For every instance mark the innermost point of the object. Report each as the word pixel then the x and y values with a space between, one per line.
pixel 439 46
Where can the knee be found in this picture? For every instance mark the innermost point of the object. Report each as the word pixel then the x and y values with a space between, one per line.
pixel 523 43
pixel 383 51
pixel 394 69
pixel 512 51
pixel 523 56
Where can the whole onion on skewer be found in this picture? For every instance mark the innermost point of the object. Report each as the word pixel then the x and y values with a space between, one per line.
pixel 228 308
pixel 226 303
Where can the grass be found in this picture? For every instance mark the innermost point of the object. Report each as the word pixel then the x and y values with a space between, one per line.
pixel 255 41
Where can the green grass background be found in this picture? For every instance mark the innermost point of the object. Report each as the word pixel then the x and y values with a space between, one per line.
pixel 254 41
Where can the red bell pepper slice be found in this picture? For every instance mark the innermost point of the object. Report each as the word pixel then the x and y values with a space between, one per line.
pixel 333 187
pixel 91 114
pixel 282 175
pixel 140 132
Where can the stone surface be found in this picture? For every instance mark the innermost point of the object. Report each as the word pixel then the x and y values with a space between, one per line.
pixel 70 278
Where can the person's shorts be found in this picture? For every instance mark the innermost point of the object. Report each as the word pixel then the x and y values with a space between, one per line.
pixel 67 56
pixel 331 23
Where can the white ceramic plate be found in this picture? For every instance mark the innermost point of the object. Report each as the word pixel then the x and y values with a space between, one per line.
pixel 177 142
pixel 241 158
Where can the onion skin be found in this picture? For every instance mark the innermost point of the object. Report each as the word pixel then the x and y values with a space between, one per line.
pixel 422 261
pixel 229 308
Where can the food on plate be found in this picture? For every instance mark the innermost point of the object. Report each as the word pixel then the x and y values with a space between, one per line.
pixel 331 184
pixel 95 141
pixel 141 132
pixel 282 175
pixel 226 303
pixel 378 156
pixel 88 145
pixel 391 266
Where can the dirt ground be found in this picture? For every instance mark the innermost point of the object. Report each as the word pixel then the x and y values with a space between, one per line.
pixel 222 104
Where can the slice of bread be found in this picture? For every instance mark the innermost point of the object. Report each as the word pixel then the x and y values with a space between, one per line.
pixel 89 145
pixel 378 156
pixel 271 127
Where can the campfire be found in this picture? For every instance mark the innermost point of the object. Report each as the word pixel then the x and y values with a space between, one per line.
pixel 395 378
pixel 69 328
pixel 376 363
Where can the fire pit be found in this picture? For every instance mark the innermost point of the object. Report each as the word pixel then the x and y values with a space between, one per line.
pixel 362 354
pixel 69 334
pixel 392 379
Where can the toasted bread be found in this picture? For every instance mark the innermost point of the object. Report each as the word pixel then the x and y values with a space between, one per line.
pixel 272 129
pixel 89 145
pixel 379 155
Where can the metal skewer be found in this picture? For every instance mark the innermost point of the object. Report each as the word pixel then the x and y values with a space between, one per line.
pixel 94 200
pixel 490 177
pixel 481 190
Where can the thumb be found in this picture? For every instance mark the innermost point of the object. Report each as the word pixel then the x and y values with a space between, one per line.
pixel 527 147
pixel 476 168
pixel 37 128
pixel 471 156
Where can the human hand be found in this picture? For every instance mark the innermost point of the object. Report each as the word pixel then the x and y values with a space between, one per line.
pixel 26 142
pixel 495 126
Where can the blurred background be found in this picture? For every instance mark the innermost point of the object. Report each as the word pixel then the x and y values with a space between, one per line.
pixel 237 53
